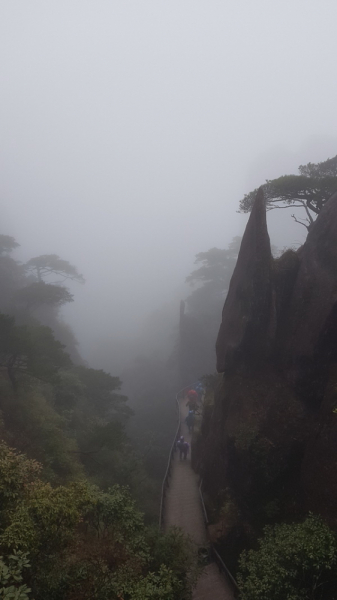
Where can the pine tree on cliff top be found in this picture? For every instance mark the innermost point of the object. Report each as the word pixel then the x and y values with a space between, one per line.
pixel 309 190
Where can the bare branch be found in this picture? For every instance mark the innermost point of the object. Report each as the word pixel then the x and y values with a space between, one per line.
pixel 301 222
pixel 311 220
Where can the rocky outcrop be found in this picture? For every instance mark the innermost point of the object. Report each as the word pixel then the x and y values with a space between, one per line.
pixel 271 443
pixel 315 289
pixel 245 330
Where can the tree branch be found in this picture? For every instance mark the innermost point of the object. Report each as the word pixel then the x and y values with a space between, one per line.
pixel 301 222
pixel 311 220
pixel 269 207
pixel 312 207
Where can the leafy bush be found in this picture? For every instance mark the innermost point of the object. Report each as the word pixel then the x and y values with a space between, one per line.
pixel 293 562
pixel 11 577
pixel 83 543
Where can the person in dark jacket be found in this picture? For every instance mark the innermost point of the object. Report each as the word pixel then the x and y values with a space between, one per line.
pixel 180 446
pixel 186 448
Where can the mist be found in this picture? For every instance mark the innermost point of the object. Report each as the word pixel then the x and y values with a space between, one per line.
pixel 131 130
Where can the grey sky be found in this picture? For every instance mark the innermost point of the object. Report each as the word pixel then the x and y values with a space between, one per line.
pixel 129 130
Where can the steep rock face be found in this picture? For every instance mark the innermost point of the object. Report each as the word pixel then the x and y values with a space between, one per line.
pixel 257 426
pixel 271 443
pixel 244 329
pixel 319 466
pixel 315 289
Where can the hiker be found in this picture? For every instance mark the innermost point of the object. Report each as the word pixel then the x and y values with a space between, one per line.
pixel 190 420
pixel 185 449
pixel 192 401
pixel 180 445
pixel 199 389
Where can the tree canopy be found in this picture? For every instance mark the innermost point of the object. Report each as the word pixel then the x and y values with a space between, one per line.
pixel 100 389
pixel 30 350
pixel 76 541
pixel 212 277
pixel 200 323
pixel 40 293
pixel 7 244
pixel 294 561
pixel 309 190
pixel 60 535
pixel 51 264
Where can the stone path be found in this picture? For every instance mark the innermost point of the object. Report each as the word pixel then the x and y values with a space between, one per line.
pixel 183 509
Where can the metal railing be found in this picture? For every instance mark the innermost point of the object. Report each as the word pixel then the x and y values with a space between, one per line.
pixel 215 554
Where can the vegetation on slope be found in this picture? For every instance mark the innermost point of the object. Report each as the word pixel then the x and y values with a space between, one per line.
pixel 294 561
pixel 69 526
pixel 78 542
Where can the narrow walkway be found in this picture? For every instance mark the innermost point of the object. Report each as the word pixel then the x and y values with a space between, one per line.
pixel 183 509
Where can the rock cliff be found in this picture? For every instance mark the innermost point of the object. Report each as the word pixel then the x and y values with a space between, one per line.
pixel 270 447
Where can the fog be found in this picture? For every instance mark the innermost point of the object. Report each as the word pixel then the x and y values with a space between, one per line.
pixel 130 130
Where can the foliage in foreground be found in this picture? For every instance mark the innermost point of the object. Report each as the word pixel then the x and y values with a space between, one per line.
pixel 76 542
pixel 293 562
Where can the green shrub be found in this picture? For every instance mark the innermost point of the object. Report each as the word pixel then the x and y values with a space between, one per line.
pixel 11 577
pixel 293 562
pixel 83 543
